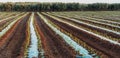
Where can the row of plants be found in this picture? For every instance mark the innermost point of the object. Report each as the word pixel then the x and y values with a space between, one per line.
pixel 81 35
pixel 11 24
pixel 104 15
pixel 6 22
pixel 5 15
pixel 66 37
pixel 100 22
pixel 98 30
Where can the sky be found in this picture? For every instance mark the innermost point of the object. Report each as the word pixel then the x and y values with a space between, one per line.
pixel 65 1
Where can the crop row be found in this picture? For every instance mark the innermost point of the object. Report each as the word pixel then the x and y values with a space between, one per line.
pixel 95 41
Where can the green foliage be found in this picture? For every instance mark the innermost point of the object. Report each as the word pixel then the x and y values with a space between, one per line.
pixel 27 6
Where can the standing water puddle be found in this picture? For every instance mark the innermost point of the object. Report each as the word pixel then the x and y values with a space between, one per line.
pixel 33 49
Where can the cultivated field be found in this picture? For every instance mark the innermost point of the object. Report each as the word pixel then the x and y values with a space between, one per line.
pixel 60 34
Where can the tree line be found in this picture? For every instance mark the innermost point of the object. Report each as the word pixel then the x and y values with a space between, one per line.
pixel 34 6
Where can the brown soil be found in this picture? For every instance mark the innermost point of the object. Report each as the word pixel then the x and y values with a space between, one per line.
pixel 106 47
pixel 53 45
pixel 4 22
pixel 13 39
pixel 114 35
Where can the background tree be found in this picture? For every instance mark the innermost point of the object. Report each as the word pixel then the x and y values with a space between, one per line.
pixel 34 6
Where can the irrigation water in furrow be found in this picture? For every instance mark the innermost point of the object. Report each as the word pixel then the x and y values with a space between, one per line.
pixel 15 38
pixel 53 44
pixel 9 26
pixel 112 19
pixel 92 22
pixel 112 34
pixel 8 15
pixel 100 20
pixel 6 22
pixel 33 49
pixel 109 32
pixel 97 42
pixel 106 23
pixel 8 18
pixel 113 24
pixel 6 32
pixel 69 40
pixel 38 32
pixel 101 24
